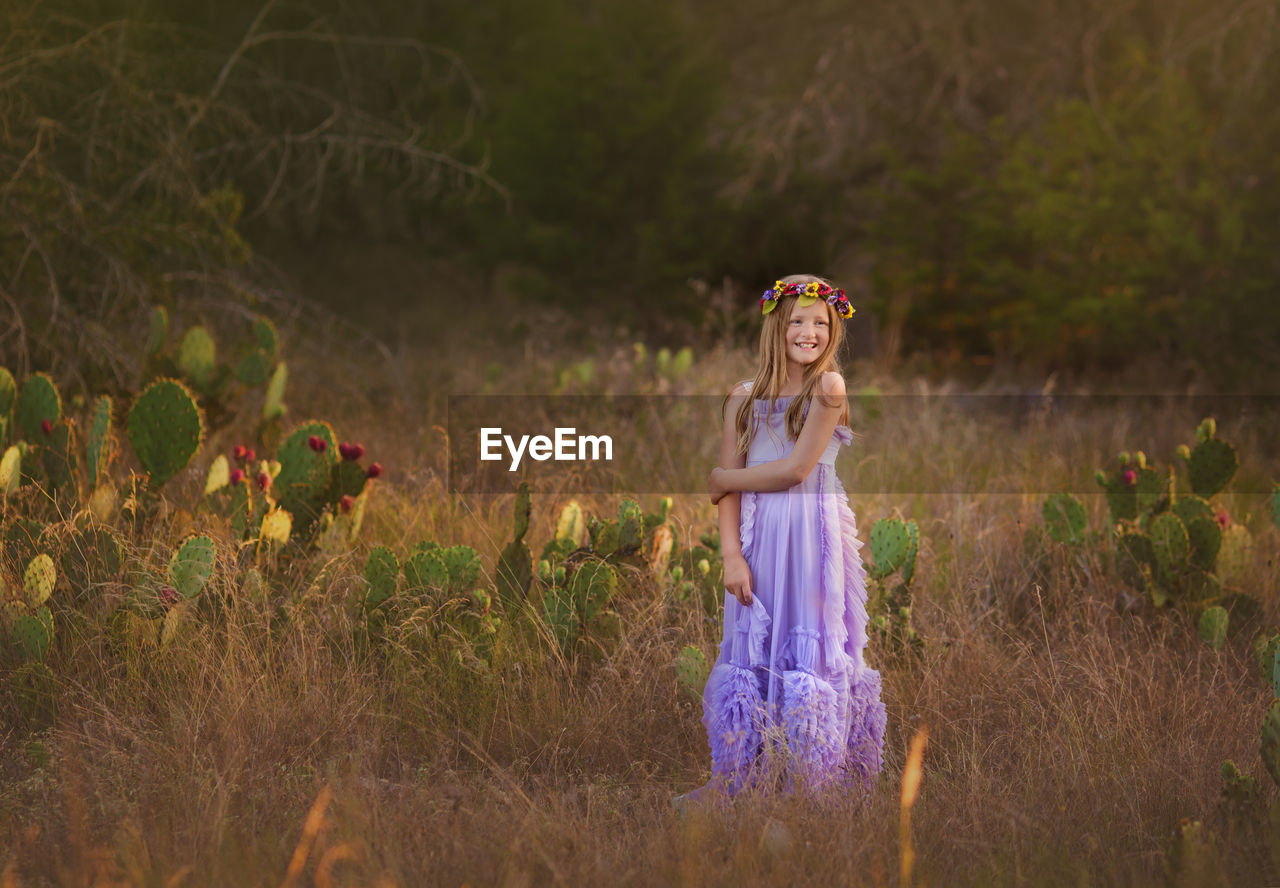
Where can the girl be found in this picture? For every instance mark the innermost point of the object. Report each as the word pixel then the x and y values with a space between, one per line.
pixel 790 687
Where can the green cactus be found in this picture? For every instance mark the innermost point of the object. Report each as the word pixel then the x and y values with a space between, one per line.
pixel 630 525
pixel 165 429
pixel 1211 467
pixel 463 566
pixel 1235 554
pixel 515 563
pixel 38 580
pixel 8 395
pixel 303 485
pixel 592 587
pixel 158 331
pixel 265 336
pixel 253 368
pixel 1064 518
pixel 425 572
pixel 381 573
pixel 1136 558
pixel 572 525
pixel 1153 488
pixel 1122 499
pixel 273 406
pixel 1170 543
pixel 1213 626
pixel 197 358
pixel 58 456
pixel 32 634
pixel 890 542
pixel 1270 746
pixel 1207 429
pixel 692 671
pixel 1190 507
pixel 37 402
pixel 10 470
pixel 346 478
pixel 192 565
pixel 98 445
pixel 1240 790
pixel 561 617
pixel 1205 537
pixel 909 566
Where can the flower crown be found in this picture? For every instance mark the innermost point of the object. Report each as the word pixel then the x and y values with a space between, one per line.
pixel 809 293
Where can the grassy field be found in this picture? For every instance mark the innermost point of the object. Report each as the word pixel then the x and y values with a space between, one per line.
pixel 1071 725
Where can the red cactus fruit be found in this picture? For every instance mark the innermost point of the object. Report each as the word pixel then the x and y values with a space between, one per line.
pixel 1223 519
pixel 373 471
pixel 346 503
pixel 357 451
pixel 314 443
pixel 238 452
pixel 237 476
pixel 168 596
pixel 264 480
pixel 1130 477
pixel 344 449
pixel 46 426
pixel 248 454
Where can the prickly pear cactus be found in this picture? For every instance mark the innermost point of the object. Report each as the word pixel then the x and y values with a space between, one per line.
pixel 197 358
pixel 1270 747
pixel 32 634
pixel 276 526
pixel 1205 537
pixel 592 587
pixel 1136 558
pixel 572 524
pixel 38 403
pixel 98 443
pixel 425 573
pixel 381 573
pixel 561 617
pixel 165 429
pixel 58 455
pixel 515 563
pixel 346 478
pixel 10 470
pixel 38 580
pixel 1064 518
pixel 192 565
pixel 1169 540
pixel 306 458
pixel 8 395
pixel 913 548
pixel 1235 554
pixel 265 337
pixel 630 525
pixel 463 566
pixel 1213 626
pixel 273 406
pixel 1212 462
pixel 890 542
pixel 692 671
pixel 158 331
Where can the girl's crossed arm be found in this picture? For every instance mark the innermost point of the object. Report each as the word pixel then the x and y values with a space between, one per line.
pixel 790 470
pixel 737 575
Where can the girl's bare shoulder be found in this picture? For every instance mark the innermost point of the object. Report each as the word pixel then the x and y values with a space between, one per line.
pixel 833 384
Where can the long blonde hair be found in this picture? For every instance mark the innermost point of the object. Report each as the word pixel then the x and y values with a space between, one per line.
pixel 771 374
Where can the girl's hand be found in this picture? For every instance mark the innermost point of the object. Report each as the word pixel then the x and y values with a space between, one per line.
pixel 737 578
pixel 715 485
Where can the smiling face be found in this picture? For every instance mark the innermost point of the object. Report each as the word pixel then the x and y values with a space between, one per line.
pixel 808 332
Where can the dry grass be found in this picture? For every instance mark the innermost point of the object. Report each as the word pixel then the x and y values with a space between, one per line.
pixel 1067 734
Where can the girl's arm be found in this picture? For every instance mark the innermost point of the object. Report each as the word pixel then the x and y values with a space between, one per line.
pixel 737 575
pixel 790 470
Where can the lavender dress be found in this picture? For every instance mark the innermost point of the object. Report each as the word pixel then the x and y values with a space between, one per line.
pixel 790 693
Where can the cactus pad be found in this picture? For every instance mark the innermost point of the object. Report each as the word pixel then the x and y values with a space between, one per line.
pixel 572 524
pixel 1136 558
pixel 197 358
pixel 1213 627
pixel 514 573
pixel 692 671
pixel 32 634
pixel 38 401
pixel 425 571
pixel 1212 465
pixel 1205 537
pixel 276 527
pixel 10 470
pixel 1152 488
pixel 630 525
pixel 523 507
pixel 1270 747
pixel 303 483
pixel 463 565
pixel 98 444
pixel 265 337
pixel 273 402
pixel 192 565
pixel 1191 507
pixel 381 572
pixel 58 456
pixel 253 368
pixel 8 392
pixel 158 331
pixel 1064 518
pixel 890 541
pixel 561 616
pixel 346 478
pixel 219 475
pixel 165 429
pixel 38 580
pixel 909 565
pixel 592 587
pixel 1170 543
pixel 1235 555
